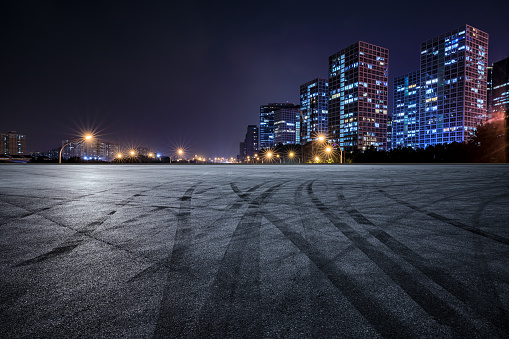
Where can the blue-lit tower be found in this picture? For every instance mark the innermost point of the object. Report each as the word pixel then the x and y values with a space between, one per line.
pixel 267 122
pixel 453 85
pixel 358 77
pixel 314 110
pixel 500 92
pixel 405 115
pixel 285 125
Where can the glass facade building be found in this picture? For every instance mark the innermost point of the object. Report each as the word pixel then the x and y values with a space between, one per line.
pixel 453 82
pixel 358 77
pixel 405 115
pixel 285 125
pixel 267 122
pixel 313 111
pixel 500 92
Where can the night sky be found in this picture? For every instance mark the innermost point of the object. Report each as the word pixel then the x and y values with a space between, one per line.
pixel 160 74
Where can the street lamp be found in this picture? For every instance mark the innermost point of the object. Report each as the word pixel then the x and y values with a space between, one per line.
pixel 85 138
pixel 291 155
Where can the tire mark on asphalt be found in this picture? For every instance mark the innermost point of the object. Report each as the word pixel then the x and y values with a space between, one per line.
pixel 441 311
pixel 449 221
pixel 61 202
pixel 76 238
pixel 233 305
pixel 371 309
pixel 59 250
pixel 175 302
pixel 484 303
pixel 163 263
pixel 317 277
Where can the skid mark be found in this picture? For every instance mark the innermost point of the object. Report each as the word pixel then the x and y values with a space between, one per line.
pixel 449 221
pixel 233 304
pixel 176 302
pixel 55 252
pixel 484 303
pixel 164 263
pixel 373 311
pixel 441 311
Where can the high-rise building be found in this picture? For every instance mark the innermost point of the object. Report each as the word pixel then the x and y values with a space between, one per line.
pixel 285 125
pixel 405 115
pixel 251 140
pixel 389 132
pixel 489 93
pixel 242 152
pixel 12 143
pixel 314 110
pixel 500 92
pixel 453 85
pixel 267 122
pixel 249 147
pixel 358 77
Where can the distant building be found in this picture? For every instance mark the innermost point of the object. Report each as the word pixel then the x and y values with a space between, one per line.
pixel 389 132
pixel 249 147
pixel 500 92
pixel 267 122
pixel 489 93
pixel 285 125
pixel 405 115
pixel 454 78
pixel 313 110
pixel 358 77
pixel 251 140
pixel 12 143
pixel 94 150
pixel 242 152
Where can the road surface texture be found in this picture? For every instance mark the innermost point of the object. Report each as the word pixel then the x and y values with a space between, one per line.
pixel 268 251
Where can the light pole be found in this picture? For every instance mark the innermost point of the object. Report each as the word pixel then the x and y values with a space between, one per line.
pixel 291 155
pixel 85 138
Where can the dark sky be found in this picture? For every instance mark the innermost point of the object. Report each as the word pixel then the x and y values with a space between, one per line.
pixel 160 74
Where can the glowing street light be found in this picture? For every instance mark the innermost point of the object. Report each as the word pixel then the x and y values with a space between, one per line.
pixel 83 139
pixel 291 155
pixel 133 153
pixel 119 155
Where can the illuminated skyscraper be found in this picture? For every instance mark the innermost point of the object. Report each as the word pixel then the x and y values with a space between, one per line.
pixel 313 111
pixel 500 93
pixel 358 78
pixel 453 85
pixel 267 122
pixel 285 124
pixel 405 115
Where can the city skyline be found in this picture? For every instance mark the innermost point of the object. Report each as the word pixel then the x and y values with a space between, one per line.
pixel 109 68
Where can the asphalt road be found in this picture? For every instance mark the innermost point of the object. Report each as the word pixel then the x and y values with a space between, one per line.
pixel 169 251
